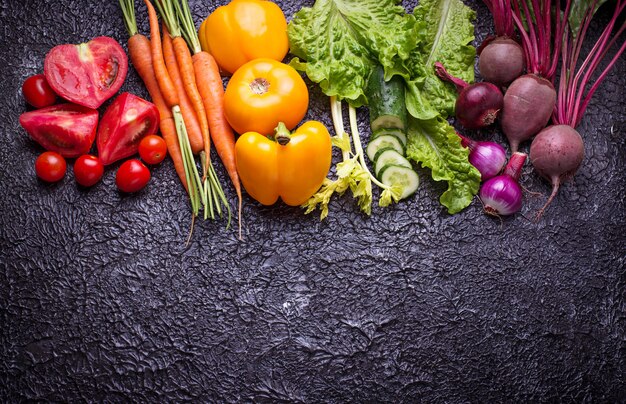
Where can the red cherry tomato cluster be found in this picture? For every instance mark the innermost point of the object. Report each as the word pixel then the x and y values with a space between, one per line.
pixel 115 138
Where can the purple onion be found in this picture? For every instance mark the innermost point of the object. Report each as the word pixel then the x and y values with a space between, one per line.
pixel 488 157
pixel 502 195
pixel 478 104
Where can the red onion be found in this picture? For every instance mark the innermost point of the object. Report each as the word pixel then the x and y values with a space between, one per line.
pixel 502 195
pixel 487 157
pixel 478 104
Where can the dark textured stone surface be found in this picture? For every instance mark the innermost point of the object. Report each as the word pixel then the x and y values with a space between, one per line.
pixel 101 300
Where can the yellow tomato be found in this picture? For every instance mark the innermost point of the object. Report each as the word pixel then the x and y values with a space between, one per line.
pixel 293 167
pixel 244 30
pixel 262 93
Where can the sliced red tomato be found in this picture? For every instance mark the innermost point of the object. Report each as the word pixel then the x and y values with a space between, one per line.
pixel 67 129
pixel 88 73
pixel 125 122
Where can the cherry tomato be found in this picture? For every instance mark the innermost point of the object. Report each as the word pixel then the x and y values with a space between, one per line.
pixel 50 166
pixel 152 149
pixel 88 170
pixel 37 92
pixel 132 176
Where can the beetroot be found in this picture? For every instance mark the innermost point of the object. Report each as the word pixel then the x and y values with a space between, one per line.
pixel 501 61
pixel 530 99
pixel 556 153
pixel 528 104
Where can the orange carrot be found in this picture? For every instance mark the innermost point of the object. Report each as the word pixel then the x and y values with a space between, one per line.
pixel 185 64
pixel 211 89
pixel 188 111
pixel 209 84
pixel 141 57
pixel 168 90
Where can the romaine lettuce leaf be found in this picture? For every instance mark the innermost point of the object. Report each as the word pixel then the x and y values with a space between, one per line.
pixel 338 42
pixel 444 31
pixel 434 144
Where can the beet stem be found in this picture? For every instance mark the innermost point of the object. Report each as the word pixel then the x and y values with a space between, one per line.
pixel 514 167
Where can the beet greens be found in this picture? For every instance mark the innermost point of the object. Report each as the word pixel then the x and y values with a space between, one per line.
pixel 530 100
pixel 557 151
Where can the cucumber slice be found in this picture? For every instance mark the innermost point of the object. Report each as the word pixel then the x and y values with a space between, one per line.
pixel 399 133
pixel 389 156
pixel 392 174
pixel 386 101
pixel 382 142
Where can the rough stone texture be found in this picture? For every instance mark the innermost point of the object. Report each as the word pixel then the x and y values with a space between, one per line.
pixel 101 300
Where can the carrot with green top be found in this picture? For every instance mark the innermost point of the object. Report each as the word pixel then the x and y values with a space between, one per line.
pixel 210 85
pixel 171 98
pixel 213 193
pixel 186 108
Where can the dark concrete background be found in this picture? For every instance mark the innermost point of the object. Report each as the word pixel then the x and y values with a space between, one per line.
pixel 101 300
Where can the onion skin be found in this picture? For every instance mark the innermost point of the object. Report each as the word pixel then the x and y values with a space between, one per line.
pixel 487 157
pixel 478 105
pixel 501 61
pixel 528 105
pixel 502 195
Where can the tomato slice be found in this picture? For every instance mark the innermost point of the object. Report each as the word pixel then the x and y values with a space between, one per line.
pixel 67 129
pixel 125 122
pixel 89 73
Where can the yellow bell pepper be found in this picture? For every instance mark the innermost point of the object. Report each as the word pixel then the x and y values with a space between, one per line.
pixel 292 166
pixel 244 30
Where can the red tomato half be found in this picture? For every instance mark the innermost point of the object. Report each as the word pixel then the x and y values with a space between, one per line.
pixel 50 166
pixel 37 92
pixel 88 170
pixel 88 73
pixel 125 122
pixel 152 149
pixel 132 176
pixel 67 129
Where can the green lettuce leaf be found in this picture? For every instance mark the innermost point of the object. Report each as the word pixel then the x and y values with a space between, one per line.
pixel 444 31
pixel 339 41
pixel 434 144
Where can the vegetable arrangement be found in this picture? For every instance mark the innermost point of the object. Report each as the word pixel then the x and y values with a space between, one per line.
pixel 412 70
pixel 341 43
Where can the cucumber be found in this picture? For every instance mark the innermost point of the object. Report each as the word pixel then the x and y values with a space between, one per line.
pixel 399 133
pixel 383 142
pixel 386 101
pixel 389 156
pixel 392 174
